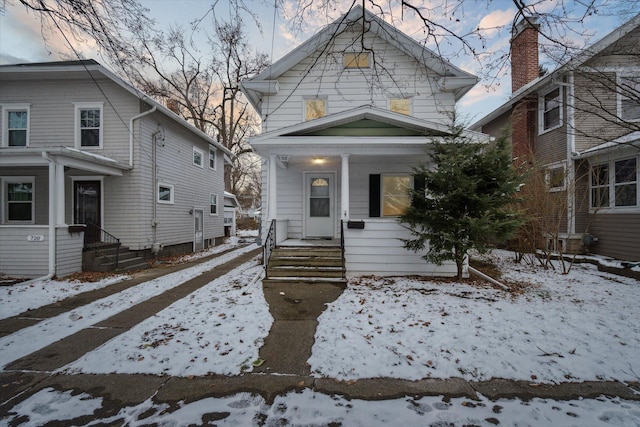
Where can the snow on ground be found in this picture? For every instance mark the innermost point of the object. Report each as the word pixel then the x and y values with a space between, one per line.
pixel 28 340
pixel 217 329
pixel 311 408
pixel 575 327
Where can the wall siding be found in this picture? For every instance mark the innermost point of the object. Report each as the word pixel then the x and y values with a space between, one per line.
pixel 20 258
pixel 618 235
pixel 68 252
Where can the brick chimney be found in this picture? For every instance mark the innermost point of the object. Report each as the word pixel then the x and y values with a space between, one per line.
pixel 524 69
pixel 524 53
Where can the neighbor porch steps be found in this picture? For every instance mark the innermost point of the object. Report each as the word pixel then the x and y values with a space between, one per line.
pixel 307 264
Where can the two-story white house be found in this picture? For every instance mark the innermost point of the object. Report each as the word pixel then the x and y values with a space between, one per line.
pixel 345 117
pixel 85 158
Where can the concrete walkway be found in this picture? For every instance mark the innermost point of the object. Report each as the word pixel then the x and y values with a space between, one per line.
pixel 286 350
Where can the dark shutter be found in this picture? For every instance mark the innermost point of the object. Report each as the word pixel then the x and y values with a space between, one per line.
pixel 374 196
pixel 418 185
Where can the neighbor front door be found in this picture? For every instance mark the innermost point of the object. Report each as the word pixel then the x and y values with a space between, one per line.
pixel 319 205
pixel 87 208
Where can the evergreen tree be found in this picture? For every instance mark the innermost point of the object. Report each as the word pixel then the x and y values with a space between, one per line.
pixel 465 202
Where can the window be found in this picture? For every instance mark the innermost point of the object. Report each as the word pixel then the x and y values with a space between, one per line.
pixel 400 105
pixel 555 177
pixel 550 110
pixel 15 122
pixel 213 209
pixel 314 108
pixel 19 204
pixel 356 60
pixel 165 193
pixel 615 184
pixel 88 125
pixel 198 157
pixel 212 158
pixel 629 98
pixel 395 194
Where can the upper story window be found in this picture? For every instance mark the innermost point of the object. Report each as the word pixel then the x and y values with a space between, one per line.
pixel 551 110
pixel 19 200
pixel 89 128
pixel 629 98
pixel 614 184
pixel 395 194
pixel 400 105
pixel 356 60
pixel 212 158
pixel 314 108
pixel 213 204
pixel 198 157
pixel 15 123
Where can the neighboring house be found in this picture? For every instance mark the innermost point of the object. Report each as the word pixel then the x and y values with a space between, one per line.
pixel 231 206
pixel 582 123
pixel 345 117
pixel 83 154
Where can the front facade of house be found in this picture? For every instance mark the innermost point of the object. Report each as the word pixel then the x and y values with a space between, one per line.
pixel 83 156
pixel 345 117
pixel 582 124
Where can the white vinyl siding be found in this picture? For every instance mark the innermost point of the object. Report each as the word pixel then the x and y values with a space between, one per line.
pixel 15 125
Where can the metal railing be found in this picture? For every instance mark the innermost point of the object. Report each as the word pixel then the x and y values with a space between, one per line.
pixel 269 246
pixel 96 239
pixel 342 248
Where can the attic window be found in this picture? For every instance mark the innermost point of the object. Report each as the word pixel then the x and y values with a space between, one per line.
pixel 400 105
pixel 356 60
pixel 314 108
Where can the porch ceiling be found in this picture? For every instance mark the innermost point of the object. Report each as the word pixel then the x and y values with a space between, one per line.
pixel 63 156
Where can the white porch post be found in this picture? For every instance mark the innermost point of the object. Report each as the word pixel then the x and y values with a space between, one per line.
pixel 344 199
pixel 273 193
pixel 59 193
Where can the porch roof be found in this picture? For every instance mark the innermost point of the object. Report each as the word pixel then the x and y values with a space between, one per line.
pixel 64 156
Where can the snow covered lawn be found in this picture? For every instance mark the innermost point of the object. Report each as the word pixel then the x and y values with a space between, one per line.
pixel 575 327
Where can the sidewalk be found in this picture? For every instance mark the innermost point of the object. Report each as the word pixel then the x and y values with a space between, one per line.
pixel 295 310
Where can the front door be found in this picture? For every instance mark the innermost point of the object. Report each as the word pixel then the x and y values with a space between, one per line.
pixel 87 208
pixel 319 205
pixel 198 238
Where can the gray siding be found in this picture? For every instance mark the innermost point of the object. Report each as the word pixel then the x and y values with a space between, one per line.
pixel 21 258
pixel 68 252
pixel 618 235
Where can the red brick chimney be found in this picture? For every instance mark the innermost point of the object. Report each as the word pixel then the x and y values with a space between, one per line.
pixel 524 69
pixel 524 53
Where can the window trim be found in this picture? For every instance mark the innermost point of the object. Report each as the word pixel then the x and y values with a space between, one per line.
pixel 356 60
pixel 193 157
pixel 611 187
pixel 5 195
pixel 542 111
pixel 6 109
pixel 400 98
pixel 401 175
pixel 313 98
pixel 78 106
pixel 620 97
pixel 213 150
pixel 217 204
pixel 547 176
pixel 171 193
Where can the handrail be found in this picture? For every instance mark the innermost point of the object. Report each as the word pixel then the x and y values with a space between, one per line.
pixel 269 246
pixel 342 247
pixel 97 238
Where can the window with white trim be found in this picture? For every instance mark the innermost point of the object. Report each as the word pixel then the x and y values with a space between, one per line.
pixel 629 98
pixel 356 60
pixel 212 158
pixel 198 157
pixel 400 105
pixel 556 177
pixel 165 193
pixel 19 199
pixel 550 116
pixel 89 124
pixel 213 204
pixel 15 125
pixel 614 185
pixel 314 108
pixel 395 194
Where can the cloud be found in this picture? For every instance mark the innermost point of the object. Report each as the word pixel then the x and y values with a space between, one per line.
pixel 491 24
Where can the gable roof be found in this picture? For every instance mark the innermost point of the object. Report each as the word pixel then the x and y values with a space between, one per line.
pixel 535 85
pixel 452 78
pixel 83 68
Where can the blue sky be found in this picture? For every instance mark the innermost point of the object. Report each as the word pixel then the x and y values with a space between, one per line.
pixel 21 40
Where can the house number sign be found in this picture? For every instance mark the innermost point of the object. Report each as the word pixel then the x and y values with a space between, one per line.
pixel 35 238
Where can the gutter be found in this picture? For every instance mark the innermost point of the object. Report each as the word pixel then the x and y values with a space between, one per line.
pixel 131 120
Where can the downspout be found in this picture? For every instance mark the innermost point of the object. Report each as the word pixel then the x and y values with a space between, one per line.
pixel 52 220
pixel 571 147
pixel 131 120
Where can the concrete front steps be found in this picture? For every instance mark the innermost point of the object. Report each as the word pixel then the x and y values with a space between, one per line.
pixel 104 259
pixel 306 264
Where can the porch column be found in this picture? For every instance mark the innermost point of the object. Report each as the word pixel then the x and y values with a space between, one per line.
pixel 273 193
pixel 59 190
pixel 344 188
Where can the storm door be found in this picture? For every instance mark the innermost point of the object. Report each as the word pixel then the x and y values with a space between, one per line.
pixel 319 205
pixel 87 196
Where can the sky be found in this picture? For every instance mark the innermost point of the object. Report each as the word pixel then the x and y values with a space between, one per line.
pixel 274 33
